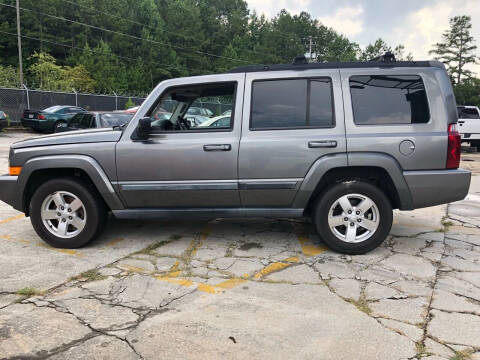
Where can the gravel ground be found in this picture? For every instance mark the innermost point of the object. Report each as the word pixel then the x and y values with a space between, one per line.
pixel 243 289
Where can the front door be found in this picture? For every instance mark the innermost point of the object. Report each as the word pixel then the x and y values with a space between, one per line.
pixel 185 163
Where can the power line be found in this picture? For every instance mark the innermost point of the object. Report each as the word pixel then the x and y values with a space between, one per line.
pixel 95 51
pixel 126 35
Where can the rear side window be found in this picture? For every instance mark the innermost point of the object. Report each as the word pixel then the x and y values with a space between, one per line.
pixel 292 104
pixel 384 100
pixel 468 113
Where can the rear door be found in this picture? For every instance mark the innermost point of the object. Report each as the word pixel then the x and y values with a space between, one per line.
pixel 290 120
pixel 397 112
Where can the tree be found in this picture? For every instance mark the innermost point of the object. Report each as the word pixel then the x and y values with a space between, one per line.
pixel 457 48
pixel 129 104
pixel 468 92
pixel 45 72
pixel 8 76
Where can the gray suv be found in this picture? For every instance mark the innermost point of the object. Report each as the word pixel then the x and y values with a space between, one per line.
pixel 341 143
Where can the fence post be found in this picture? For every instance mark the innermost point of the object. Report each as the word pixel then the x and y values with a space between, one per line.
pixel 76 97
pixel 28 96
pixel 116 101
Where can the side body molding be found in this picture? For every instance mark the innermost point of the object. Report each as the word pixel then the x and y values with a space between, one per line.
pixel 315 174
pixel 392 167
pixel 83 162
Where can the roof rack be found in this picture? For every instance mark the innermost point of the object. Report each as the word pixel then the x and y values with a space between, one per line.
pixel 300 63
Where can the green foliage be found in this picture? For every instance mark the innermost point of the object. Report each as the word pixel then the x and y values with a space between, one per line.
pixel 151 40
pixel 129 104
pixel 47 75
pixel 457 48
pixel 8 76
pixel 468 92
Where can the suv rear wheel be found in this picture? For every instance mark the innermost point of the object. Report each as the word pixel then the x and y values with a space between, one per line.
pixel 66 213
pixel 353 217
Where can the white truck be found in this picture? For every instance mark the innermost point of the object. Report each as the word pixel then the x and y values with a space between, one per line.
pixel 469 124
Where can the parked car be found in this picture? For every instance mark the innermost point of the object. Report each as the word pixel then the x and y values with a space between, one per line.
pixel 218 122
pixel 341 143
pixel 227 113
pixel 49 119
pixel 92 120
pixel 3 120
pixel 132 110
pixel 200 115
pixel 469 124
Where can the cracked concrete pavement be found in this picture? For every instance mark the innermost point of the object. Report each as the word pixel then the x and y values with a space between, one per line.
pixel 257 288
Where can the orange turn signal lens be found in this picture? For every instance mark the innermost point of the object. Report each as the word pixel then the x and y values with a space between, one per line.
pixel 14 170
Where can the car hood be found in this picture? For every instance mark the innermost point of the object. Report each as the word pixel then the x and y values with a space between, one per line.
pixel 74 137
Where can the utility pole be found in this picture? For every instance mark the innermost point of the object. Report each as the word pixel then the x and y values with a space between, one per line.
pixel 19 37
pixel 311 46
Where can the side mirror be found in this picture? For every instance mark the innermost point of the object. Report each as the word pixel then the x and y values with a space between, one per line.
pixel 143 128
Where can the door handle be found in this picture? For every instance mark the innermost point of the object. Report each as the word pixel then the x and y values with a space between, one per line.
pixel 217 147
pixel 322 144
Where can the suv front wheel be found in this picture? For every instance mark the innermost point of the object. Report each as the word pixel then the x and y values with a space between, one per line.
pixel 353 217
pixel 66 213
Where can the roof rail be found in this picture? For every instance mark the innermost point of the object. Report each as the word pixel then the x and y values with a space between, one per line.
pixel 387 57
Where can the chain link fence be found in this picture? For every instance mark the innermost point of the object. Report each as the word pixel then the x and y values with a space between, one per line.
pixel 14 101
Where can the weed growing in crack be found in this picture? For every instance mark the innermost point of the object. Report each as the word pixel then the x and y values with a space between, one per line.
pixel 150 249
pixel 89 275
pixel 462 355
pixel 421 349
pixel 361 305
pixel 27 292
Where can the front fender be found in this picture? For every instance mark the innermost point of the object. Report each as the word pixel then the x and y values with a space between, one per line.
pixel 83 162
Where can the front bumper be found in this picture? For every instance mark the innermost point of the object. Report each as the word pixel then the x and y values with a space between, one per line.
pixel 8 193
pixel 435 187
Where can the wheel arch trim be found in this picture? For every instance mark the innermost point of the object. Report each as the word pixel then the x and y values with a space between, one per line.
pixel 82 162
pixel 350 160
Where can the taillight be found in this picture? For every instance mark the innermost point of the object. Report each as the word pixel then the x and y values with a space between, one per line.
pixel 454 147
pixel 41 117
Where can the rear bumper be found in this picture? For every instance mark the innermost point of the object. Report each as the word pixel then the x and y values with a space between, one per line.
pixel 8 193
pixel 37 124
pixel 435 187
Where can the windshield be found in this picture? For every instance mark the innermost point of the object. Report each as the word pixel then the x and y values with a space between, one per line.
pixel 115 119
pixel 53 109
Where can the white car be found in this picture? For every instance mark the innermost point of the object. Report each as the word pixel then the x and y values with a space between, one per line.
pixel 219 121
pixel 469 124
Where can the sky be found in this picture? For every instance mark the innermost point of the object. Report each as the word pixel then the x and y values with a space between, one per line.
pixel 417 24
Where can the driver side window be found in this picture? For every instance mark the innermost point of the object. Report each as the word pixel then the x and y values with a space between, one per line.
pixel 188 108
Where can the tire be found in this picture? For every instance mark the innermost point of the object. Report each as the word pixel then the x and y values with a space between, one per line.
pixel 346 234
pixel 59 124
pixel 62 228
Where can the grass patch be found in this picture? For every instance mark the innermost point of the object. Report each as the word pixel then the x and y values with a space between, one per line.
pixel 28 292
pixel 89 275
